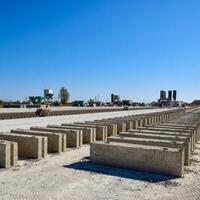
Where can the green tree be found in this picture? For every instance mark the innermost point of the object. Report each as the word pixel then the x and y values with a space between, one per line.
pixel 91 102
pixel 64 95
pixel 1 102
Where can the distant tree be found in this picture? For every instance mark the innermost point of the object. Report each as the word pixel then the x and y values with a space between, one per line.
pixel 64 95
pixel 91 102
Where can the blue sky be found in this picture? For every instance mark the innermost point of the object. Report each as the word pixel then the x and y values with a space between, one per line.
pixel 130 47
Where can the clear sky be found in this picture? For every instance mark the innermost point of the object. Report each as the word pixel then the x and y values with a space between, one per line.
pixel 94 47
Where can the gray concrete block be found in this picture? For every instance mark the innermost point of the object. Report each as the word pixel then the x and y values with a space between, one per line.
pixel 88 133
pixel 5 154
pixel 168 161
pixel 121 126
pixel 157 136
pixel 73 137
pixel 174 130
pixel 28 146
pixel 54 139
pixel 140 123
pixel 128 123
pixel 13 153
pixel 101 131
pixel 169 133
pixel 193 127
pixel 111 128
pixel 180 128
pixel 135 124
pixel 155 142
pixel 44 146
pixel 179 125
pixel 145 121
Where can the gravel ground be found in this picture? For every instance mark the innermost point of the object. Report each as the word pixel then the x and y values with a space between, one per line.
pixel 70 175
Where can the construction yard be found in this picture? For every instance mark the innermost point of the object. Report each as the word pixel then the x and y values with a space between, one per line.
pixel 99 100
pixel 63 166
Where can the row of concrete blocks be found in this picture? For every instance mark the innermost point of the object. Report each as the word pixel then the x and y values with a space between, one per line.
pixel 136 121
pixel 16 115
pixel 38 141
pixel 112 127
pixel 163 148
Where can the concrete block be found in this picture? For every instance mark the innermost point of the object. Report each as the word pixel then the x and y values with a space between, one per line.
pixel 157 136
pixel 54 139
pixel 111 128
pixel 128 123
pixel 135 124
pixel 180 128
pixel 145 122
pixel 28 146
pixel 154 142
pixel 44 146
pixel 121 126
pixel 140 123
pixel 13 153
pixel 167 161
pixel 158 118
pixel 155 119
pixel 195 128
pixel 88 133
pixel 180 125
pixel 149 120
pixel 169 133
pixel 101 131
pixel 72 137
pixel 174 130
pixel 5 154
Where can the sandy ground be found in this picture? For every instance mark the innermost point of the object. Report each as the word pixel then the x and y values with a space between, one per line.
pixel 71 176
